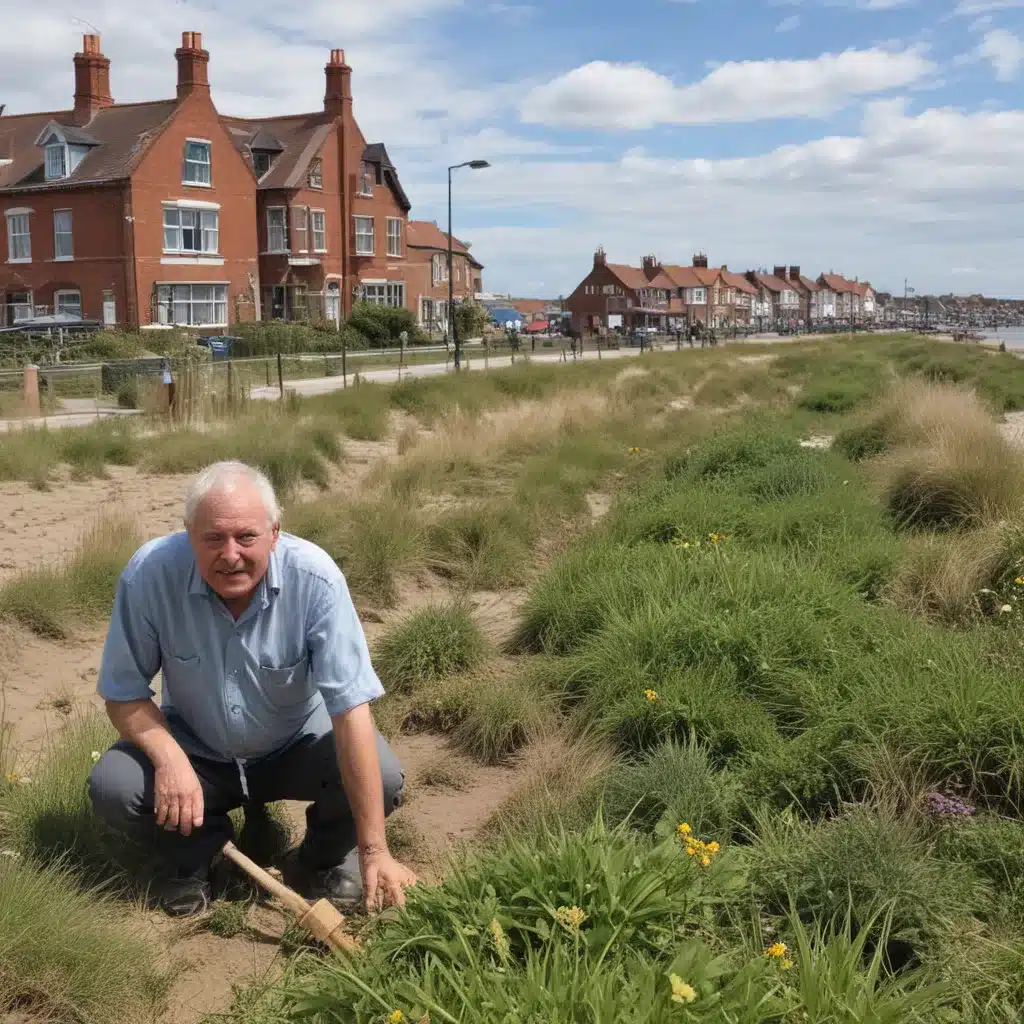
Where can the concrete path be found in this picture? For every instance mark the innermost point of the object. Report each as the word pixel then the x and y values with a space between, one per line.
pixel 70 419
pixel 325 385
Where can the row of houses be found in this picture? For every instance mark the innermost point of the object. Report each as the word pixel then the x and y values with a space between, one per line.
pixel 666 297
pixel 170 213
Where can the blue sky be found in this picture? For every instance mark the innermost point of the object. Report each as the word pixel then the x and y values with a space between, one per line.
pixel 877 138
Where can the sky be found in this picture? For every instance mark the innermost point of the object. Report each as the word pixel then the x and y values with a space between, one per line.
pixel 880 139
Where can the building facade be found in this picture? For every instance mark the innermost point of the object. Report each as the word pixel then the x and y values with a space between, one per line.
pixel 168 213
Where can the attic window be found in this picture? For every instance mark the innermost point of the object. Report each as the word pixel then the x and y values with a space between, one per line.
pixel 316 173
pixel 56 161
pixel 261 161
pixel 366 179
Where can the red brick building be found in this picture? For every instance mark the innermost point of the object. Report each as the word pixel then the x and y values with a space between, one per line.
pixel 164 213
pixel 428 273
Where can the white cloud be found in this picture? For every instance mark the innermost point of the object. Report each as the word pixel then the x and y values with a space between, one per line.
pixel 606 95
pixel 982 6
pixel 788 24
pixel 1004 51
pixel 908 195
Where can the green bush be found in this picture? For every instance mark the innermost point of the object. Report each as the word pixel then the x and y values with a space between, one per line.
pixel 429 645
pixel 382 325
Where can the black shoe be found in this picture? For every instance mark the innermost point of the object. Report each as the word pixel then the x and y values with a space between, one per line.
pixel 263 838
pixel 185 895
pixel 340 884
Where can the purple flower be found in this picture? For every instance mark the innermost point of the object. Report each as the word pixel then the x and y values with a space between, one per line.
pixel 947 806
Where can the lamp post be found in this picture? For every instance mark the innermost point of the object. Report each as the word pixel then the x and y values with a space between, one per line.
pixel 453 328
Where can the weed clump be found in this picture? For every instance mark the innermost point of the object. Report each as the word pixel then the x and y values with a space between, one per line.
pixel 429 646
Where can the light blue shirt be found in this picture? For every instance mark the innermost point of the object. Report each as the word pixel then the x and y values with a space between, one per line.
pixel 237 690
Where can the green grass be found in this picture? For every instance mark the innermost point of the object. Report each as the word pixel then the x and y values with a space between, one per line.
pixel 53 601
pixel 428 646
pixel 68 955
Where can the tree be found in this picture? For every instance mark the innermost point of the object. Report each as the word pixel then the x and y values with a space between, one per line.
pixel 471 319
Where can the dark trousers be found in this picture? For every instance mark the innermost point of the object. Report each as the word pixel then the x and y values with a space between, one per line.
pixel 121 787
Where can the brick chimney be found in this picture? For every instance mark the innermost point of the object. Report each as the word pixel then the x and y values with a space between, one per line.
pixel 193 65
pixel 700 260
pixel 92 81
pixel 794 273
pixel 779 272
pixel 600 259
pixel 339 84
pixel 651 267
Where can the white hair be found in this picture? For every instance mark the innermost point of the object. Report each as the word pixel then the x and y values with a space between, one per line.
pixel 226 476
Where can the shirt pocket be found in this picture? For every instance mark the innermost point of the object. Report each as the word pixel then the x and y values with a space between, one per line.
pixel 178 671
pixel 286 686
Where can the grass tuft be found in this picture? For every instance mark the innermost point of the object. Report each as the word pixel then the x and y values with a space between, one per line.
pixel 430 645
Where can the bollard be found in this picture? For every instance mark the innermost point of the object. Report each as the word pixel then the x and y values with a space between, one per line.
pixel 31 381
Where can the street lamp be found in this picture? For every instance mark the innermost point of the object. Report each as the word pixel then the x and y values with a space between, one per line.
pixel 475 165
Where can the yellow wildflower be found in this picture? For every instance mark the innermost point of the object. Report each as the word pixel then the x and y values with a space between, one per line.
pixel 684 829
pixel 777 950
pixel 681 992
pixel 570 918
pixel 651 695
pixel 1019 581
pixel 636 451
pixel 713 847
pixel 786 964
pixel 397 1017
pixel 12 778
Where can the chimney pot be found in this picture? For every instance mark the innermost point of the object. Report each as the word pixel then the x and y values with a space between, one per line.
pixel 193 64
pixel 92 81
pixel 599 257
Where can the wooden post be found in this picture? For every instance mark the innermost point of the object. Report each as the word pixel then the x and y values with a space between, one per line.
pixel 267 363
pixel 344 361
pixel 280 374
pixel 31 382
pixel 231 382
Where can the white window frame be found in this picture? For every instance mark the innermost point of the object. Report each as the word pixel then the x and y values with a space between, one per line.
pixel 30 306
pixel 300 229
pixel 698 297
pixel 57 149
pixel 69 255
pixel 205 228
pixel 283 228
pixel 173 297
pixel 318 229
pixel 188 163
pixel 316 173
pixel 63 292
pixel 440 268
pixel 395 236
pixel 366 179
pixel 19 217
pixel 384 293
pixel 362 221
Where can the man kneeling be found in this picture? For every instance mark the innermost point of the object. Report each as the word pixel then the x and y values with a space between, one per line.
pixel 267 686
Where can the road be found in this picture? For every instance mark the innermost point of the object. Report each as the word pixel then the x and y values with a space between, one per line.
pixel 325 385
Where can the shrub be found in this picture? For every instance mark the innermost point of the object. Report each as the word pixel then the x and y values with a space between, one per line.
pixel 381 325
pixel 429 645
pixel 72 955
pixel 483 547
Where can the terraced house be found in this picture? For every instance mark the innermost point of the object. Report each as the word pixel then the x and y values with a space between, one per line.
pixel 667 297
pixel 168 213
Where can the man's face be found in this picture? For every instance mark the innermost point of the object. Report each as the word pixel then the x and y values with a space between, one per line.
pixel 232 540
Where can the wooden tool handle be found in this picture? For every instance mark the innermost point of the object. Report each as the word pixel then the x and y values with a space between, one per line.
pixel 288 897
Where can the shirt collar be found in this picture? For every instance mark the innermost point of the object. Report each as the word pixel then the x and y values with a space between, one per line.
pixel 271 582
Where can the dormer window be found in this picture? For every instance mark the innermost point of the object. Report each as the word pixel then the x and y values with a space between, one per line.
pixel 316 173
pixel 261 161
pixel 56 161
pixel 367 176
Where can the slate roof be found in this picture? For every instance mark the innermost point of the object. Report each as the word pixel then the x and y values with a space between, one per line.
pixel 299 136
pixel 376 153
pixel 119 136
pixel 425 234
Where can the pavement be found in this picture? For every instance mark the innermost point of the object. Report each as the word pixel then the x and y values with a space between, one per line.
pixel 78 418
pixel 475 361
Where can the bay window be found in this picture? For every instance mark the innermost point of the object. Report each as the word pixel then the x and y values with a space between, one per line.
pixel 192 305
pixel 385 293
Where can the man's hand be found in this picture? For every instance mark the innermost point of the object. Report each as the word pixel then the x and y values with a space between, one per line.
pixel 178 795
pixel 384 879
